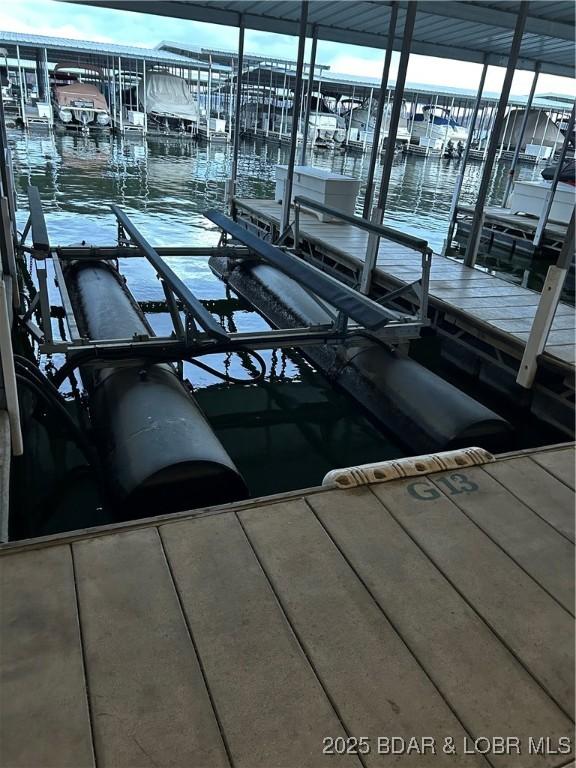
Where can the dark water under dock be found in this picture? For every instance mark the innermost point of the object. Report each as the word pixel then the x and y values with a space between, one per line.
pixel 287 432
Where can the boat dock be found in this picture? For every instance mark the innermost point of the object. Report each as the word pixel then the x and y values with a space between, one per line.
pixel 267 632
pixel 479 311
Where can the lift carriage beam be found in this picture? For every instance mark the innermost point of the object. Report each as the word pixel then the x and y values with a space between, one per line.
pixel 359 308
pixel 367 318
pixel 192 304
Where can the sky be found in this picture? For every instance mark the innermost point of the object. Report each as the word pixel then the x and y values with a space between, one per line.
pixel 49 17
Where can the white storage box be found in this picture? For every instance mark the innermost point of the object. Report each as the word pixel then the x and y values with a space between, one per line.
pixel 43 109
pixel 135 118
pixel 538 151
pixel 218 125
pixel 530 196
pixel 321 185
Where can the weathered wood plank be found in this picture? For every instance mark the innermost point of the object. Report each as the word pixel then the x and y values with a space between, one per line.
pixel 559 463
pixel 527 299
pixel 372 678
pixel 455 292
pixel 44 717
pixel 560 338
pixel 551 499
pixel 561 323
pixel 516 313
pixel 149 700
pixel 476 673
pixel 540 550
pixel 563 352
pixel 270 703
pixel 537 629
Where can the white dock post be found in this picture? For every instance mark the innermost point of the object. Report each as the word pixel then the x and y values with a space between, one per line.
pixel 120 95
pixel 546 310
pixel 367 126
pixel 144 102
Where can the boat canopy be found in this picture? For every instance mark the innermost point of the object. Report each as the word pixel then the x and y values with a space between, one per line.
pixel 169 95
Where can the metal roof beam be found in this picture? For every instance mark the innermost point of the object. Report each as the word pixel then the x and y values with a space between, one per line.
pixel 217 14
pixel 485 14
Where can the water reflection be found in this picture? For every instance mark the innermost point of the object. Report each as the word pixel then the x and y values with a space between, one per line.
pixel 165 183
pixel 289 431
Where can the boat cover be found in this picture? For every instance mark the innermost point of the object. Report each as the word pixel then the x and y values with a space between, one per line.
pixel 81 96
pixel 169 95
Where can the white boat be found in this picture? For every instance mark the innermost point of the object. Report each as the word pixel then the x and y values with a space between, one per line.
pixel 540 129
pixel 325 127
pixel 363 125
pixel 170 103
pixel 435 123
pixel 76 100
pixel 324 124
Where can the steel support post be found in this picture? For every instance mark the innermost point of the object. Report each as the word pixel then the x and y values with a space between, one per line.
pixel 546 310
pixel 236 148
pixel 378 213
pixel 464 160
pixel 478 219
pixel 295 117
pixel 512 171
pixel 309 96
pixel 543 220
pixel 379 112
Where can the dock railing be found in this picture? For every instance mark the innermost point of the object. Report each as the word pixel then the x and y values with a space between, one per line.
pixel 420 287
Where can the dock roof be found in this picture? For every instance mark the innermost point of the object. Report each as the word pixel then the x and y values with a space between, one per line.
pixel 465 30
pixel 57 46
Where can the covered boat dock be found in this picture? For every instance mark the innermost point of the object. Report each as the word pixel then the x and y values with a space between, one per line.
pixel 427 600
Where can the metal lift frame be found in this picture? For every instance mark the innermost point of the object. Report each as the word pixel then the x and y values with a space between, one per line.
pixel 200 333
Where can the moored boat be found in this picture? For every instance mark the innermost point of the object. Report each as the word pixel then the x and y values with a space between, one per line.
pixel 78 102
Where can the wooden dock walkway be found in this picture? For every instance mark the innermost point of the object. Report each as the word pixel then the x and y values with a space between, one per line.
pixel 256 635
pixel 495 308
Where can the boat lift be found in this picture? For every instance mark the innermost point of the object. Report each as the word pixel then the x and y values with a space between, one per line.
pixel 356 317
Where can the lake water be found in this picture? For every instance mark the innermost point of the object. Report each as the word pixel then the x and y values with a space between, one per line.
pixel 289 431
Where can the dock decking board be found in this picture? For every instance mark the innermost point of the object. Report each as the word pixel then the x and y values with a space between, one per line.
pixel 530 482
pixel 244 635
pixel 453 541
pixel 248 647
pixel 452 283
pixel 484 682
pixel 360 658
pixel 560 464
pixel 44 719
pixel 147 690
